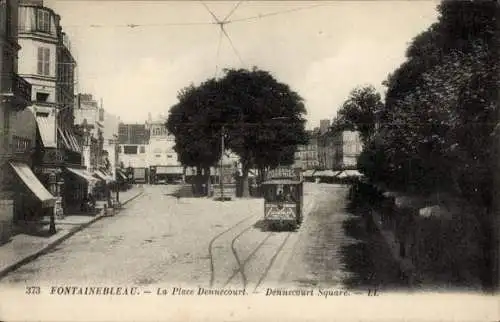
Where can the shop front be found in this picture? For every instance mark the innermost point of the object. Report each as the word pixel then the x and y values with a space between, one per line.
pixel 32 201
pixel 104 186
pixel 57 150
pixel 79 185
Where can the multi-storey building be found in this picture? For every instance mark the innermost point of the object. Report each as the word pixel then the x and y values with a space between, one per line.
pixel 17 131
pixel 132 140
pixel 47 64
pixel 348 147
pixel 89 118
pixel 306 156
pixel 110 146
pixel 160 154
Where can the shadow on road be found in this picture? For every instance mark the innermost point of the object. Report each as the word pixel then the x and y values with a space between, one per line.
pixel 261 225
pixel 368 259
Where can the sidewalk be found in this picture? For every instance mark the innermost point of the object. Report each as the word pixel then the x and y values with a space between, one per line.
pixel 406 266
pixel 23 248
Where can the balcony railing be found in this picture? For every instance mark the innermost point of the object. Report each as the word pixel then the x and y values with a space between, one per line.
pixel 21 88
pixel 17 88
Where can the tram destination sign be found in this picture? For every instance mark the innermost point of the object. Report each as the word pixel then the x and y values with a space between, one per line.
pixel 281 173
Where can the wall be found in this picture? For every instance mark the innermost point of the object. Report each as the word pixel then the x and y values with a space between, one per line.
pixel 28 57
pixel 351 148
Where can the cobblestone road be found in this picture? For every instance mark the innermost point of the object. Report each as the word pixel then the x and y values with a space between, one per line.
pixel 161 240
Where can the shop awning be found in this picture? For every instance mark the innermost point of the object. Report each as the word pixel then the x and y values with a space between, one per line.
pixel 47 128
pixel 121 174
pixel 64 138
pixel 31 181
pixel 101 175
pixel 169 170
pixel 308 173
pixel 73 141
pixel 350 174
pixel 85 175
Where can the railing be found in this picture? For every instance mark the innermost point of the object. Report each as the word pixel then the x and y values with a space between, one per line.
pixel 21 88
pixel 16 86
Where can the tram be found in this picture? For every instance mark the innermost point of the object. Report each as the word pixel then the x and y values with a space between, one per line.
pixel 283 199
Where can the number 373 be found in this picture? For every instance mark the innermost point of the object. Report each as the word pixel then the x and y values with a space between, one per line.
pixel 32 290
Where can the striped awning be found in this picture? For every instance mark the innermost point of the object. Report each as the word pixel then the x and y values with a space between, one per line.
pixel 31 181
pixel 103 176
pixel 65 139
pixel 73 141
pixel 47 128
pixel 121 174
pixel 85 175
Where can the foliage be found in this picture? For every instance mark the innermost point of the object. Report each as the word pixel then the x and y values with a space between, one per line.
pixel 262 120
pixel 359 112
pixel 197 141
pixel 441 105
pixel 265 118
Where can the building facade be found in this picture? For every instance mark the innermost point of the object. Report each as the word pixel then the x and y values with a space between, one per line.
pixel 348 147
pixel 161 157
pixel 89 119
pixel 18 130
pixel 306 156
pixel 132 142
pixel 47 64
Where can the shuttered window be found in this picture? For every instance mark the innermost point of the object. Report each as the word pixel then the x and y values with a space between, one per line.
pixel 43 20
pixel 43 67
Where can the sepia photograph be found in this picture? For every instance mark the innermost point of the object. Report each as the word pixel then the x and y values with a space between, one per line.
pixel 248 160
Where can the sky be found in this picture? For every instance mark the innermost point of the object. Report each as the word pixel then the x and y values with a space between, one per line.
pixel 322 49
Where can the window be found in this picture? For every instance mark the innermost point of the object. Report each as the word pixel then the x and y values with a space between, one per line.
pixel 43 20
pixel 142 150
pixel 130 149
pixel 42 97
pixel 43 61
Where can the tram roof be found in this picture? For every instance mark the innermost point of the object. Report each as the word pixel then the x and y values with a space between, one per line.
pixel 281 181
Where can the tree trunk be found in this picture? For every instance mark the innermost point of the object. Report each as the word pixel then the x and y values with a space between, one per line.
pixel 198 182
pixel 207 182
pixel 245 193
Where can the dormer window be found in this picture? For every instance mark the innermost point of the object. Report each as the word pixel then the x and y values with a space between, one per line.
pixel 43 20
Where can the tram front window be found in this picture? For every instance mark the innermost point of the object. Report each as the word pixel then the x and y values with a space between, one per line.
pixel 282 194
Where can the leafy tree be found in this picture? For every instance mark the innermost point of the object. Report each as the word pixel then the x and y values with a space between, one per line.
pixel 197 142
pixel 262 121
pixel 359 112
pixel 439 124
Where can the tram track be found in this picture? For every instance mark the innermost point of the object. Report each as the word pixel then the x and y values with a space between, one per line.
pixel 213 240
pixel 242 264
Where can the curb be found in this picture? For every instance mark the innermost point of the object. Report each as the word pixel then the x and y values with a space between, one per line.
pixel 406 266
pixel 58 241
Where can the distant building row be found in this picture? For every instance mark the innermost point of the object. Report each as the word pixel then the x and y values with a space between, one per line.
pixel 329 150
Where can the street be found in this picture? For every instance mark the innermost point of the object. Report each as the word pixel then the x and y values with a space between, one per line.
pixel 162 240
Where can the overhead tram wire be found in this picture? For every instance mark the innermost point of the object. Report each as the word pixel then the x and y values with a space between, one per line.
pixel 232 11
pixel 274 13
pixel 218 53
pixel 223 31
pixel 180 24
